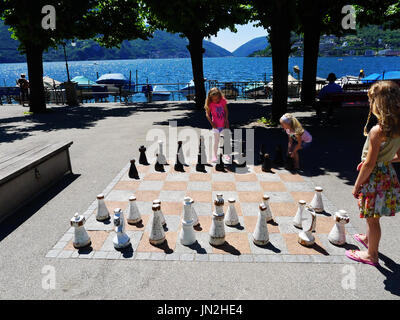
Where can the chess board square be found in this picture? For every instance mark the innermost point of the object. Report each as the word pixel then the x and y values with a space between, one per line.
pixel 288 177
pixel 118 195
pixel 202 245
pixel 151 186
pixel 147 196
pixel 127 185
pixel 245 170
pixel 250 196
pixel 306 196
pixel 226 195
pixel 142 168
pixel 324 224
pixel 238 228
pixel 199 186
pixel 175 186
pixel 280 196
pixel 93 225
pixel 200 196
pixel 203 208
pixel 223 177
pixel 276 245
pixel 299 186
pixel 249 177
pixel 173 223
pixel 199 177
pixel 167 169
pixel 237 207
pixel 172 196
pixel 332 249
pixel 166 247
pixel 208 169
pixel 145 207
pixel 112 205
pixel 268 177
pixel 139 226
pixel 272 186
pixel 283 209
pixel 251 221
pixel 205 224
pixel 175 176
pixel 286 226
pixel 248 186
pixel 249 208
pixel 97 238
pixel 223 186
pixel 155 176
pixel 235 243
pixel 295 248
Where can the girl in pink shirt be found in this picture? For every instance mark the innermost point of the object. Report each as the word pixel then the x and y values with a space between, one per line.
pixel 217 115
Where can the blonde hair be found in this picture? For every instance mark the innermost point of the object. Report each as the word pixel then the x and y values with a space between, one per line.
pixel 294 124
pixel 384 100
pixel 213 92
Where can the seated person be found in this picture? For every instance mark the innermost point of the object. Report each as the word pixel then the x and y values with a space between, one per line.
pixel 332 87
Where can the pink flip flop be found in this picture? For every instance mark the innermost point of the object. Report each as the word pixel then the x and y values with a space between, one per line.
pixel 351 255
pixel 358 239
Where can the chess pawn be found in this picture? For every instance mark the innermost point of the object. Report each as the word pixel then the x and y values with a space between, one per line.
pixel 178 165
pixel 200 167
pixel 278 160
pixel 121 239
pixel 306 238
pixel 220 165
pixel 143 157
pixel 337 235
pixel 180 153
pixel 157 234
pixel 81 237
pixel 187 235
pixel 134 216
pixel 268 212
pixel 261 154
pixel 217 230
pixel 160 156
pixel 231 217
pixel 133 172
pixel 261 234
pixel 298 218
pixel 316 202
pixel 266 165
pixel 162 218
pixel 196 221
pixel 102 211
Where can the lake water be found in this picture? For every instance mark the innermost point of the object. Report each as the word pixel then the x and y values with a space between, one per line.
pixel 180 70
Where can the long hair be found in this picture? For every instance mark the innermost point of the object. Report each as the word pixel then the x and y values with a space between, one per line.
pixel 384 101
pixel 213 92
pixel 294 124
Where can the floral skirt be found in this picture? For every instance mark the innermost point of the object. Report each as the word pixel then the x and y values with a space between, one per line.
pixel 381 195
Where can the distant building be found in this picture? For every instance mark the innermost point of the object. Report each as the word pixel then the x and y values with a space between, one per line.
pixel 369 53
pixel 389 53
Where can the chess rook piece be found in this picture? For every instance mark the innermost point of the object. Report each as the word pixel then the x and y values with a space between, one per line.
pixel 306 237
pixel 261 154
pixel 121 239
pixel 133 173
pixel 217 230
pixel 143 157
pixel 162 218
pixel 298 218
pixel 337 236
pixel 159 167
pixel 200 167
pixel 289 163
pixel 316 202
pixel 160 156
pixel 268 212
pixel 81 237
pixel 180 153
pixel 266 165
pixel 231 217
pixel 220 165
pixel 187 235
pixel 278 160
pixel 261 234
pixel 178 165
pixel 157 234
pixel 102 211
pixel 134 216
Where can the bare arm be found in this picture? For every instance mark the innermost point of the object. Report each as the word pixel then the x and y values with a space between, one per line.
pixel 208 116
pixel 226 116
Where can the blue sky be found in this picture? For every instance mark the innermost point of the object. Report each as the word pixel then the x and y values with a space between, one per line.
pixel 231 41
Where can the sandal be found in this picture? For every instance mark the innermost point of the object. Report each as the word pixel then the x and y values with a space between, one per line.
pixel 358 239
pixel 351 254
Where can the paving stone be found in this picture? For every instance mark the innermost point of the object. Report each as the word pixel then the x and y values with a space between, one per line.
pixel 202 257
pixel 187 257
pixel 143 255
pixel 53 253
pixel 100 255
pixel 246 258
pixel 216 257
pixel 157 256
pixel 175 256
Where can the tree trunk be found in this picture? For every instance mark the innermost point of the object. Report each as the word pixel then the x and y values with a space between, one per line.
pixel 34 59
pixel 312 33
pixel 196 50
pixel 280 44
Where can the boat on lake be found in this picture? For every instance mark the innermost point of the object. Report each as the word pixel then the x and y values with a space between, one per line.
pixel 230 91
pixel 116 79
pixel 160 93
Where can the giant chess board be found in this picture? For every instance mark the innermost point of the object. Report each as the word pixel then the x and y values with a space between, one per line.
pixel 246 185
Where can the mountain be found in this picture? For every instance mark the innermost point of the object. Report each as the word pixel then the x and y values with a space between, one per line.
pixel 250 47
pixel 162 45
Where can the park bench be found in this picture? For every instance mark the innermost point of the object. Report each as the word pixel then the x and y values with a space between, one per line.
pixel 27 172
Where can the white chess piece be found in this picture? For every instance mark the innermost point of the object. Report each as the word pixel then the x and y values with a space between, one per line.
pixel 163 222
pixel 196 221
pixel 316 202
pixel 297 221
pixel 187 235
pixel 268 212
pixel 160 155
pixel 81 237
pixel 337 235
pixel 134 216
pixel 121 239
pixel 231 217
pixel 261 234
pixel 157 234
pixel 306 238
pixel 217 230
pixel 102 211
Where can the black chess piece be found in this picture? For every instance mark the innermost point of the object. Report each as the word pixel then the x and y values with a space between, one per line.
pixel 180 153
pixel 240 162
pixel 278 160
pixel 159 167
pixel 143 157
pixel 267 163
pixel 133 173
pixel 200 167
pixel 202 151
pixel 261 154
pixel 289 163
pixel 178 165
pixel 220 165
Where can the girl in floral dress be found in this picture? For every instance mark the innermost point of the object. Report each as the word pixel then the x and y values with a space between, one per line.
pixel 377 187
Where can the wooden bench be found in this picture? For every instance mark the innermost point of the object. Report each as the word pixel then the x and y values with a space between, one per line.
pixel 27 172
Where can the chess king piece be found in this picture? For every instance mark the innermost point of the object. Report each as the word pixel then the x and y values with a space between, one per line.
pixel 196 221
pixel 261 234
pixel 143 157
pixel 306 237
pixel 231 217
pixel 180 153
pixel 159 167
pixel 81 237
pixel 187 235
pixel 266 165
pixel 278 160
pixel 202 151
pixel 289 163
pixel 298 218
pixel 179 165
pixel 337 235
pixel 217 230
pixel 102 211
pixel 268 212
pixel 157 234
pixel 133 172
pixel 200 167
pixel 160 156
pixel 134 216
pixel 261 154
pixel 220 165
pixel 162 218
pixel 121 239
pixel 316 202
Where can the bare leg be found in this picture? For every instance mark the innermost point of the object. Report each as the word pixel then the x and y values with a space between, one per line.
pixel 373 236
pixel 216 143
pixel 296 160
